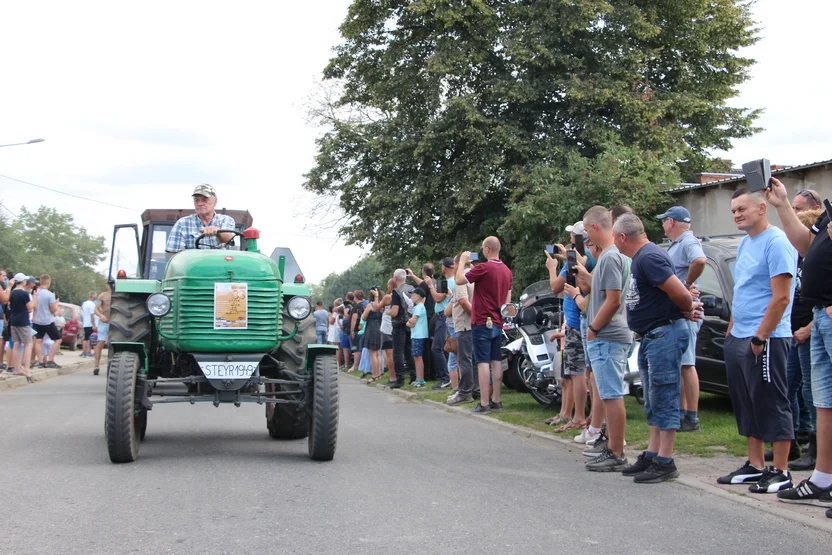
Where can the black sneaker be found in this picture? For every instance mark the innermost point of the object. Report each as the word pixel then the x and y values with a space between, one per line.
pixel 52 364
pixel 688 426
pixel 479 409
pixel 398 384
pixel 743 475
pixel 437 386
pixel 607 462
pixel 642 463
pixel 657 472
pixel 496 406
pixel 806 493
pixel 773 481
pixel 95 372
pixel 807 461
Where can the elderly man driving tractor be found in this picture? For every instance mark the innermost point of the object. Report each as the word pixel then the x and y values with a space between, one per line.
pixel 204 222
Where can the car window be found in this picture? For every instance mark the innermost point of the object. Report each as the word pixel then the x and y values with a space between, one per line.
pixel 731 264
pixel 709 283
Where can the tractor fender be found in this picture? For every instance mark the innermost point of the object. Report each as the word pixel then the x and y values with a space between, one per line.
pixel 132 347
pixel 314 351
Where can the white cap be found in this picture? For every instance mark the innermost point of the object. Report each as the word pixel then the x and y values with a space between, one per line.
pixel 577 228
pixel 20 277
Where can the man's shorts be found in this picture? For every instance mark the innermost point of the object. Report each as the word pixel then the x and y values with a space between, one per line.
pixel 488 344
pixel 659 364
pixel 47 329
pixel 21 335
pixel 355 346
pixel 574 363
pixel 386 342
pixel 418 347
pixel 87 333
pixel 609 364
pixel 821 361
pixel 689 357
pixel 759 389
pixel 103 332
pixel 584 327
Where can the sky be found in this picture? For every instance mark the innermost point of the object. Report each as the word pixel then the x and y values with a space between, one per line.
pixel 138 105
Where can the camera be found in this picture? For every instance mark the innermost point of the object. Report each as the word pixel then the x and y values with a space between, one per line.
pixel 474 257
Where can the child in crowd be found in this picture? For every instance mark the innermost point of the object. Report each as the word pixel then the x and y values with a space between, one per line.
pixel 419 333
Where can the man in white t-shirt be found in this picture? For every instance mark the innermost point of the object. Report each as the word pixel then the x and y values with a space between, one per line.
pixel 87 313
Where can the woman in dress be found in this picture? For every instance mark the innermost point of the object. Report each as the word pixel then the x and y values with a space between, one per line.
pixel 372 333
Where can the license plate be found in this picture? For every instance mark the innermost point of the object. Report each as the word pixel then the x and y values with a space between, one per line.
pixel 220 370
pixel 505 364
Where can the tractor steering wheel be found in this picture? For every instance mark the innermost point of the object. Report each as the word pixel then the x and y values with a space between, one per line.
pixel 222 245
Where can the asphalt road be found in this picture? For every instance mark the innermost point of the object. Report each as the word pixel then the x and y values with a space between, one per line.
pixel 407 478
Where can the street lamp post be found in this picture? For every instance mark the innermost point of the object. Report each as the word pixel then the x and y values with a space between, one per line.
pixel 33 141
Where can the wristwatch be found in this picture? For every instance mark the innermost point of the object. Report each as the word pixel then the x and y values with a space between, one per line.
pixel 593 330
pixel 757 341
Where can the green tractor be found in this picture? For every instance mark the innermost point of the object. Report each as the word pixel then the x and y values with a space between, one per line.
pixel 223 326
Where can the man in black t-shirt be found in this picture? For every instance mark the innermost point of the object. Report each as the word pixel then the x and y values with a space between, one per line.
pixel 815 246
pixel 657 303
pixel 21 303
pixel 402 354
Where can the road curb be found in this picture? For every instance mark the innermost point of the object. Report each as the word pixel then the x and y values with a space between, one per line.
pixel 819 523
pixel 43 374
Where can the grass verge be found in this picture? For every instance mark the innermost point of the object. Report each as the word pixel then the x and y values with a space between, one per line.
pixel 717 436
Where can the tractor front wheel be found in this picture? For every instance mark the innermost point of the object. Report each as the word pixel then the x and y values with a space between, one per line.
pixel 323 425
pixel 121 428
pixel 284 420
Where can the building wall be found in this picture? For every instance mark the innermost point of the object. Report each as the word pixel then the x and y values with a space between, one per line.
pixel 710 207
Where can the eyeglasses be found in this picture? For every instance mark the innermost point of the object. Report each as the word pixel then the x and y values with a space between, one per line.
pixel 808 193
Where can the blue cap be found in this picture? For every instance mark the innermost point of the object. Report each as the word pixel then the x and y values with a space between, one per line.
pixel 678 213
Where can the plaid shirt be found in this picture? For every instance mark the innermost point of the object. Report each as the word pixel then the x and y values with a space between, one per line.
pixel 186 230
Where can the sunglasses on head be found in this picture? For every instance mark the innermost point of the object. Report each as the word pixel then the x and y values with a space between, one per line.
pixel 809 194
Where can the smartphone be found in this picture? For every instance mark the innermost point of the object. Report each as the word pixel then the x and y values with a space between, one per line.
pixel 441 286
pixel 474 257
pixel 571 262
pixel 757 175
pixel 579 244
pixel 828 207
pixel 550 249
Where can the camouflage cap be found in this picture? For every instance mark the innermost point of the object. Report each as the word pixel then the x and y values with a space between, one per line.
pixel 205 190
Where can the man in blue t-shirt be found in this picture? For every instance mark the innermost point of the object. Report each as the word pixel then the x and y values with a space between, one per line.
pixel 574 364
pixel 657 305
pixel 758 342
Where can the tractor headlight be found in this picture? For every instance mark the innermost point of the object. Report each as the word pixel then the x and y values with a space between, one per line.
pixel 299 307
pixel 158 304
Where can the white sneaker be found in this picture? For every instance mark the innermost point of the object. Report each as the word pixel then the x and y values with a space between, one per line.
pixel 454 396
pixel 585 436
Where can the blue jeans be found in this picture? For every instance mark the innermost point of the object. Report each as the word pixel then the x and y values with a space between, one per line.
pixel 609 363
pixel 660 367
pixel 321 337
pixel 799 378
pixel 822 360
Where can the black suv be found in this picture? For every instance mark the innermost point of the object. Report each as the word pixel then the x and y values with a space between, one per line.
pixel 717 288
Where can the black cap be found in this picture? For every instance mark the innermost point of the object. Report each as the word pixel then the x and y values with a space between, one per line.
pixel 448 262
pixel 421 292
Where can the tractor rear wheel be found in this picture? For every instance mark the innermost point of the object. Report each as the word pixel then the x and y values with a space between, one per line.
pixel 121 427
pixel 323 432
pixel 130 320
pixel 293 352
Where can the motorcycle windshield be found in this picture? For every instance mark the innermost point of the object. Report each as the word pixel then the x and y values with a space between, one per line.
pixel 535 291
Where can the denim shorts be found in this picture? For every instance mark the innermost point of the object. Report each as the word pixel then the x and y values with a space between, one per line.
pixel 822 359
pixel 609 364
pixel 418 347
pixel 103 331
pixel 660 368
pixel 345 340
pixel 689 357
pixel 488 344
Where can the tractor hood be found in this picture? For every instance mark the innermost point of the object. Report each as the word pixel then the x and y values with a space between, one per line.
pixel 223 265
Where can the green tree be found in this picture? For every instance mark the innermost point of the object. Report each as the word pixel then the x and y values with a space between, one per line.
pixel 49 242
pixel 363 275
pixel 447 114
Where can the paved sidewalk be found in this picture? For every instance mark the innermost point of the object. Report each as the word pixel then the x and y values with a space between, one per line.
pixel 70 362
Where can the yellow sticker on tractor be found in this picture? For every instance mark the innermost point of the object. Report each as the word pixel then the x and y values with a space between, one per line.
pixel 230 306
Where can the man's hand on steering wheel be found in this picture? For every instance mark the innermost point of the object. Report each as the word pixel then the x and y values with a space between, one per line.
pixel 213 230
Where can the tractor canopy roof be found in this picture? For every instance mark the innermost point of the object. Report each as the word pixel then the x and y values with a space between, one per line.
pixel 241 217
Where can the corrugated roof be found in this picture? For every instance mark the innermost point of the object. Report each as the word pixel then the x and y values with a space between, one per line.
pixel 691 186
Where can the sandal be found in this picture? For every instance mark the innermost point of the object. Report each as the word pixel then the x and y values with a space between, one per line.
pixel 571 425
pixel 556 421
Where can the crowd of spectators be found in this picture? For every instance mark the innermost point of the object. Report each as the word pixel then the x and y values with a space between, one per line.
pixel 621 290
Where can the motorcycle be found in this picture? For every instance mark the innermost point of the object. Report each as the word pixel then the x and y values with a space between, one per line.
pixel 533 363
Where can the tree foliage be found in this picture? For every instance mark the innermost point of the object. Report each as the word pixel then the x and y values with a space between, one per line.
pixel 49 242
pixel 363 275
pixel 455 119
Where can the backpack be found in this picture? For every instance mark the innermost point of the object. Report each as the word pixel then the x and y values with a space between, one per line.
pixel 407 304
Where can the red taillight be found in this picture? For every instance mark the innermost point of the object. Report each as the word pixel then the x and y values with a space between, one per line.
pixel 121 274
pixel 299 278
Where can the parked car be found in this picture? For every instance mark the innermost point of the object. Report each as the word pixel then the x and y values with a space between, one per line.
pixel 717 288
pixel 72 333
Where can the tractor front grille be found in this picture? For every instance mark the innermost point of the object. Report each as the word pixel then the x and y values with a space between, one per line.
pixel 191 321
